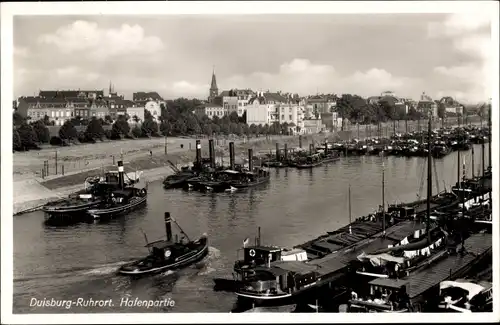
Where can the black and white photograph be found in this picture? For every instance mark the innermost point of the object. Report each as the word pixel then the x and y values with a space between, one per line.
pixel 196 161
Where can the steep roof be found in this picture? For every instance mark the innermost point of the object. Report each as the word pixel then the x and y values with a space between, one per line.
pixel 142 96
pixel 213 84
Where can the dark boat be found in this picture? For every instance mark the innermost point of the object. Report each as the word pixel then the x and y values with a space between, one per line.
pixel 168 254
pixel 179 179
pixel 95 193
pixel 119 202
pixel 309 162
pixel 248 179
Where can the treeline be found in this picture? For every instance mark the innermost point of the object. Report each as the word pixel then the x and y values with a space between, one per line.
pixel 176 119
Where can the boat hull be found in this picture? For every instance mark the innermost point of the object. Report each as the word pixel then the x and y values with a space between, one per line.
pixel 193 257
pixel 109 212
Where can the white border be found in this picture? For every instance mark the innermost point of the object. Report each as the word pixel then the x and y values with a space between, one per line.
pixel 248 7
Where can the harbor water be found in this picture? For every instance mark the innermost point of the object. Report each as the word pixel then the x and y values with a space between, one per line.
pixel 80 261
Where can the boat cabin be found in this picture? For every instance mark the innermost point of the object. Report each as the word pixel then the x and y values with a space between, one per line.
pixel 165 250
pixel 261 255
pixel 465 296
pixel 383 295
pixel 124 196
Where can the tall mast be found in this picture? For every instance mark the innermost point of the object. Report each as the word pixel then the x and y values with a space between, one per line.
pixel 473 165
pixel 350 229
pixel 482 145
pixel 463 206
pixel 383 195
pixel 429 176
pixel 489 135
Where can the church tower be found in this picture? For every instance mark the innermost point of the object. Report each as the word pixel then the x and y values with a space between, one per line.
pixel 214 91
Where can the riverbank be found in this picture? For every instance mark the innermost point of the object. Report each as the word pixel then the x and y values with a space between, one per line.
pixel 32 194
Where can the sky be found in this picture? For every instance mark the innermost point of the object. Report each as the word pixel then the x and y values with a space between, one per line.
pixel 363 54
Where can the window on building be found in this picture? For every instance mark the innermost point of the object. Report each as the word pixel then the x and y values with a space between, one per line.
pixel 283 117
pixel 290 117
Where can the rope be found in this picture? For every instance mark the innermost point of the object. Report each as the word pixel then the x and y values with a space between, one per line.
pixel 436 175
pixel 421 188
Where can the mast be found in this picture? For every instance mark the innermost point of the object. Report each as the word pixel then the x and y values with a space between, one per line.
pixel 463 206
pixel 383 196
pixel 350 229
pixel 482 147
pixel 489 136
pixel 473 165
pixel 429 177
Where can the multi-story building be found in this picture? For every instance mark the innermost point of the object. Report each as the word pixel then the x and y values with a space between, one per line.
pixel 88 94
pixel 426 105
pixel 229 101
pixel 214 108
pixel 154 107
pixel 36 108
pixel 451 106
pixel 320 104
pixel 99 108
pixel 269 108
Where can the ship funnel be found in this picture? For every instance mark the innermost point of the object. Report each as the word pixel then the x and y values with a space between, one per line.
pixel 121 179
pixel 300 141
pixel 326 147
pixel 231 155
pixel 198 153
pixel 211 152
pixel 277 151
pixel 286 152
pixel 168 226
pixel 250 160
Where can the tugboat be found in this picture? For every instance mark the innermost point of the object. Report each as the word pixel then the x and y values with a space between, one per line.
pixel 119 201
pixel 168 254
pixel 77 204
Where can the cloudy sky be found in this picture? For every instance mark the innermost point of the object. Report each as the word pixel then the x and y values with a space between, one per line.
pixel 174 55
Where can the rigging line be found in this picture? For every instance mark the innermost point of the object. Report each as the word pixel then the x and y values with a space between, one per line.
pixel 421 188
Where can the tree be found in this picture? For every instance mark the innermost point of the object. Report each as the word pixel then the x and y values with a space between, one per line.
pixel 68 131
pixel 46 120
pixel 42 131
pixel 18 119
pixel 166 127
pixel 207 129
pixel 192 125
pixel 441 110
pixel 94 129
pixel 136 119
pixel 16 140
pixel 243 118
pixel 27 136
pixel 136 131
pixel 108 119
pixel 179 127
pixel 149 127
pixel 121 128
pixel 233 117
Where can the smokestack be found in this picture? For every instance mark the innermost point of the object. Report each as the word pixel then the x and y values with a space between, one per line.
pixel 326 147
pixel 168 226
pixel 250 159
pixel 286 152
pixel 277 151
pixel 198 152
pixel 231 155
pixel 211 152
pixel 121 179
pixel 300 141
pixel 259 243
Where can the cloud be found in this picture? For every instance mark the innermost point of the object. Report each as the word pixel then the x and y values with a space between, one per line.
pixel 469 35
pixel 71 77
pixel 99 43
pixel 304 77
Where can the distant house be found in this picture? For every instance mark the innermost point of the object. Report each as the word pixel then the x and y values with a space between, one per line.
pixel 141 98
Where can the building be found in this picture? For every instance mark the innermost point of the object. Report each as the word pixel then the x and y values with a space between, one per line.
pixel 319 104
pixel 214 91
pixel 154 107
pixel 451 106
pixel 64 94
pixel 401 105
pixel 56 109
pixel 99 108
pixel 211 109
pixel 242 95
pixel 229 101
pixel 142 98
pixel 313 126
pixel 268 108
pixel 426 105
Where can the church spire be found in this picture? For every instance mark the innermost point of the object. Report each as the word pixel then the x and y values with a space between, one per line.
pixel 214 91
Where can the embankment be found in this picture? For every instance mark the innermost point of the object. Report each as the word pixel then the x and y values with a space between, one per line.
pixel 32 194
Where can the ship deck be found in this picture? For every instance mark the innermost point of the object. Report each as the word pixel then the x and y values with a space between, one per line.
pixel 420 282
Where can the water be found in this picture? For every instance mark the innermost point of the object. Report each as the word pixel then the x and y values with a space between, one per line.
pixel 80 261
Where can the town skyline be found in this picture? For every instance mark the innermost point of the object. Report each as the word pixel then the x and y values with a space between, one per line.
pixel 439 54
